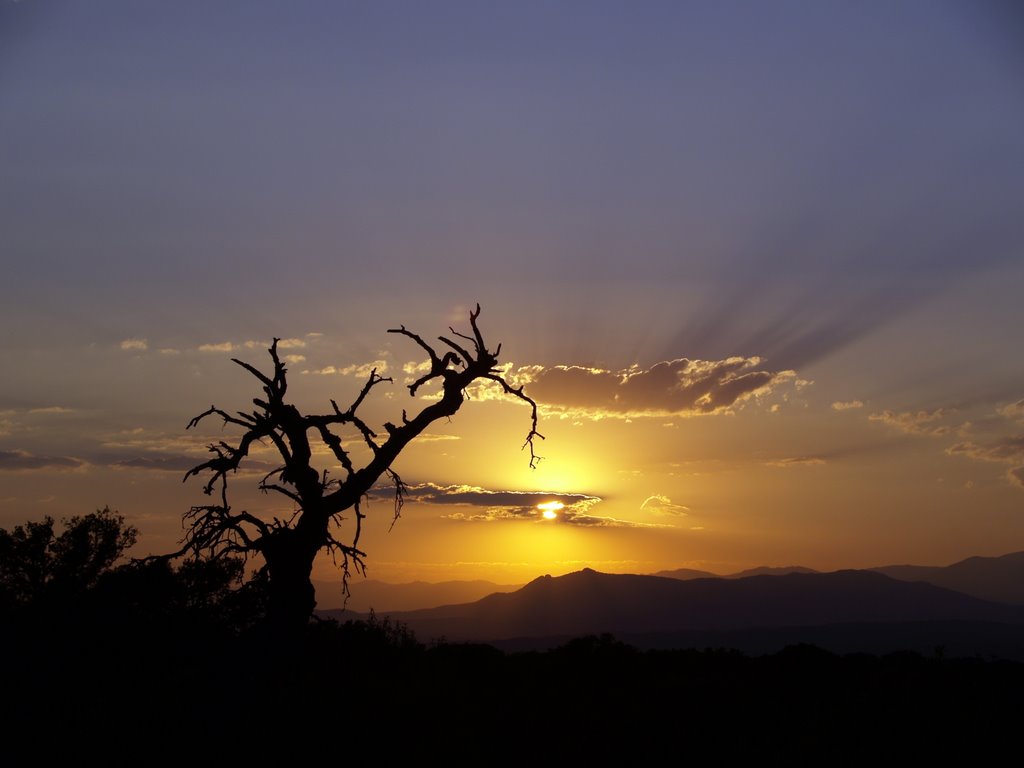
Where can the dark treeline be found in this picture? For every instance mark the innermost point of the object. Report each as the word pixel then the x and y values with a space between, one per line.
pixel 151 660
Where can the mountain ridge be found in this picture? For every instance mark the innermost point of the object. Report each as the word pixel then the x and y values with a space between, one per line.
pixel 993 578
pixel 589 602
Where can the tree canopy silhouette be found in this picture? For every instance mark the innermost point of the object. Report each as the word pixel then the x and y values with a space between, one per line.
pixel 289 547
pixel 38 564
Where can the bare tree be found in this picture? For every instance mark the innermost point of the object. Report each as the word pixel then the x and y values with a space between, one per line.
pixel 288 547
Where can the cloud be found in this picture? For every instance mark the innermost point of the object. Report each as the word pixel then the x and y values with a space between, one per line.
pixel 416 369
pixel 796 461
pixel 596 521
pixel 224 346
pixel 294 359
pixel 1008 450
pixel 183 463
pixel 840 405
pixel 281 344
pixel 134 345
pixel 490 506
pixel 23 460
pixel 363 370
pixel 1013 411
pixel 139 441
pixel 471 495
pixel 160 463
pixel 916 422
pixel 662 505
pixel 680 387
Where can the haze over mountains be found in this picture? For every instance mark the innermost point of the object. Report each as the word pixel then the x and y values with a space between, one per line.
pixel 764 570
pixel 879 609
pixel 381 596
pixel 999 579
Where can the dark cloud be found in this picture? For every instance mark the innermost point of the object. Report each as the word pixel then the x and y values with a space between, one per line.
pixel 162 462
pixel 565 516
pixel 470 495
pixel 159 463
pixel 672 387
pixel 497 505
pixel 15 460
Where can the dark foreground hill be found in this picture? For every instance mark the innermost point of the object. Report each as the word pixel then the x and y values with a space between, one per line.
pixel 663 612
pixel 373 694
pixel 132 671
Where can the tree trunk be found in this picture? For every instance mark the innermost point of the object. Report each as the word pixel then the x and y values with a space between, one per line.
pixel 291 597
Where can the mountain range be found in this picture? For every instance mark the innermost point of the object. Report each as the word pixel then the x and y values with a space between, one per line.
pixel 884 608
pixel 991 578
pixel 999 579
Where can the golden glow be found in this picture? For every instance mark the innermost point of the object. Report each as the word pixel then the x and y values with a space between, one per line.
pixel 550 509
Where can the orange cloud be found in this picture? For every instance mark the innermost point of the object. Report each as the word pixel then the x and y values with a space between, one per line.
pixel 1008 450
pixel 679 387
pixel 23 460
pixel 847 405
pixel 916 422
pixel 663 505
pixel 796 461
pixel 1013 410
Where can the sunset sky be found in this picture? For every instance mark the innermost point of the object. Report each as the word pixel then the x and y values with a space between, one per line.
pixel 761 265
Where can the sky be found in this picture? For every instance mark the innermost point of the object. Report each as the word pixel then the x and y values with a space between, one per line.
pixel 759 264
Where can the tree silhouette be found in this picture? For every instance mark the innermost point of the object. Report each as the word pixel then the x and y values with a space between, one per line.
pixel 39 565
pixel 288 547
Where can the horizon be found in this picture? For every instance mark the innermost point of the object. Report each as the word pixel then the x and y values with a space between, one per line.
pixel 759 267
pixel 355 580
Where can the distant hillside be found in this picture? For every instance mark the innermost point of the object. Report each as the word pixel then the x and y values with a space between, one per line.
pixel 990 578
pixel 383 597
pixel 685 574
pixel 997 579
pixel 588 602
pixel 765 570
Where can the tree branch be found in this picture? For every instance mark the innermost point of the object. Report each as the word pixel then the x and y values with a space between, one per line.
pixel 533 433
pixel 288 546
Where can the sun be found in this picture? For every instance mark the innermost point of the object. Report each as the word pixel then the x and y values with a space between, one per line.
pixel 549 509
